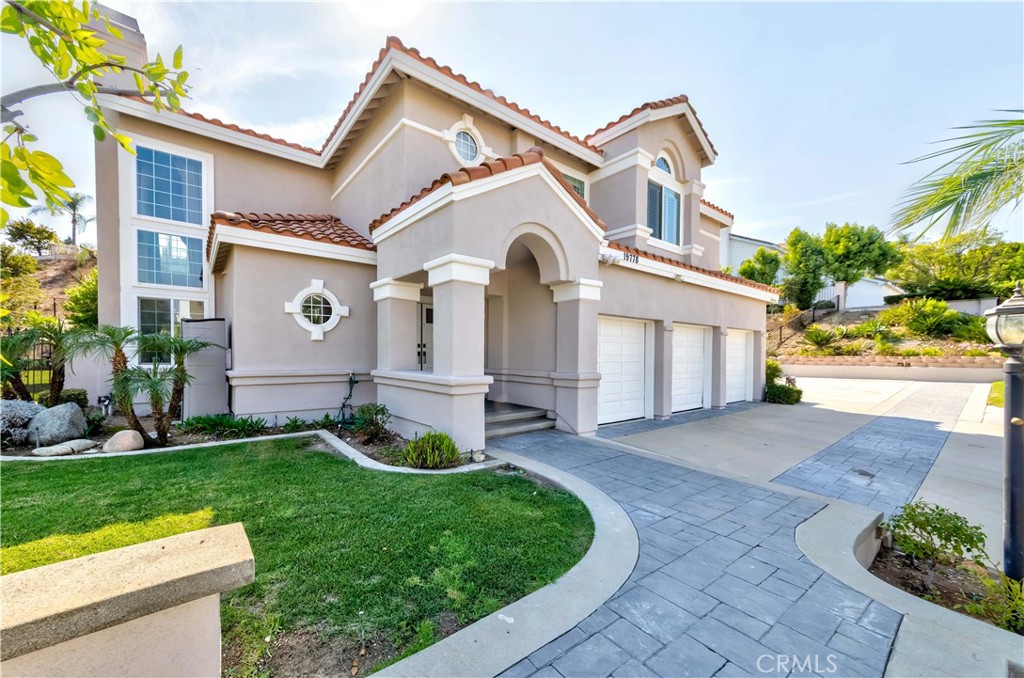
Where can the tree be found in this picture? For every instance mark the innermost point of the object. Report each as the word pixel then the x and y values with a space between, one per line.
pixel 72 206
pixel 55 334
pixel 853 251
pixel 116 344
pixel 804 262
pixel 763 267
pixel 176 350
pixel 82 306
pixel 14 263
pixel 984 175
pixel 978 258
pixel 78 59
pixel 22 294
pixel 155 383
pixel 29 235
pixel 18 358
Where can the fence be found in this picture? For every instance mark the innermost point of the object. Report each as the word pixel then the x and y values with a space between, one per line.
pixel 33 365
pixel 796 324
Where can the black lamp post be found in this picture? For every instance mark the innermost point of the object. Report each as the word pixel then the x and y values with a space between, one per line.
pixel 1005 326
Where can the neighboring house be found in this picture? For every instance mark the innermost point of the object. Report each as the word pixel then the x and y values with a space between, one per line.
pixel 577 276
pixel 865 293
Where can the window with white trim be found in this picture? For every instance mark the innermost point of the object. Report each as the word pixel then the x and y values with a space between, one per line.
pixel 662 203
pixel 168 186
pixel 578 185
pixel 169 259
pixel 466 146
pixel 316 310
pixel 164 316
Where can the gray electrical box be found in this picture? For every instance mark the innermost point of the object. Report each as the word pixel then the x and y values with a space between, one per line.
pixel 208 392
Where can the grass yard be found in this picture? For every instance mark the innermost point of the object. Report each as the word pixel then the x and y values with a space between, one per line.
pixel 346 558
pixel 995 394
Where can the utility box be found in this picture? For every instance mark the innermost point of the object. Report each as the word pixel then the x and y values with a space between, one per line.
pixel 208 391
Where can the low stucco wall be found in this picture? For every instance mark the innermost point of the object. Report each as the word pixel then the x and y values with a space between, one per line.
pixel 969 375
pixel 152 609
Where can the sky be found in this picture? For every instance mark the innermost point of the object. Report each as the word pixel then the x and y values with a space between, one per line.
pixel 815 108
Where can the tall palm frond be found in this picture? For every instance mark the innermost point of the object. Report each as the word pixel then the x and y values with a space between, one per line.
pixel 18 358
pixel 177 350
pixel 156 383
pixel 984 174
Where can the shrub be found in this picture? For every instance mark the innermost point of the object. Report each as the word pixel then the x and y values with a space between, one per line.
pixel 935 535
pixel 893 299
pixel 782 394
pixel 971 328
pixel 816 335
pixel 371 422
pixel 976 352
pixel 432 450
pixel 78 396
pixel 294 425
pixel 1003 604
pixel 883 347
pixel 929 317
pixel 94 419
pixel 824 305
pixel 957 287
pixel 790 311
pixel 872 329
pixel 224 425
pixel 327 421
pixel 772 371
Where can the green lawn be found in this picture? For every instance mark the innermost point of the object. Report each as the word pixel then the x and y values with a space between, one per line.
pixel 346 550
pixel 995 394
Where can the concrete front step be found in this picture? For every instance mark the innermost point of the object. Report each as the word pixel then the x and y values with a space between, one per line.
pixel 511 428
pixel 500 412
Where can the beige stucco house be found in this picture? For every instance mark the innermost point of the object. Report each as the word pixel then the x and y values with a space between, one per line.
pixel 444 249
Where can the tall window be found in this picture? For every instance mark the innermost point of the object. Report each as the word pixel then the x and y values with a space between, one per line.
pixel 662 206
pixel 162 316
pixel 166 259
pixel 169 186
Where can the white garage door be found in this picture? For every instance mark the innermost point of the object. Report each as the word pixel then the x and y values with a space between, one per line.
pixel 688 365
pixel 621 360
pixel 738 346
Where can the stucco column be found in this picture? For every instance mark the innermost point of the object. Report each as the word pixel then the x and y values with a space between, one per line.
pixel 397 323
pixel 458 283
pixel 759 361
pixel 576 377
pixel 690 216
pixel 663 369
pixel 718 354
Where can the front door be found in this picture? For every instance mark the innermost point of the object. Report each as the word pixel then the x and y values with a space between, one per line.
pixel 425 345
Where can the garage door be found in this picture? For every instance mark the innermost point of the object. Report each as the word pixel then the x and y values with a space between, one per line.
pixel 621 361
pixel 737 366
pixel 688 366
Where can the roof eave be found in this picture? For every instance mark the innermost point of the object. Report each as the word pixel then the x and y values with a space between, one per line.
pixel 684 110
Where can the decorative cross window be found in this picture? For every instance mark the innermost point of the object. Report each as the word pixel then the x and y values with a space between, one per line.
pixel 316 310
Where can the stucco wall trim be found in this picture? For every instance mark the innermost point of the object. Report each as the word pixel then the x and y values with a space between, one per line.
pixel 426 381
pixel 679 110
pixel 629 231
pixel 389 288
pixel 584 288
pixel 685 276
pixel 628 160
pixel 404 122
pixel 233 235
pixel 716 215
pixel 292 376
pixel 459 268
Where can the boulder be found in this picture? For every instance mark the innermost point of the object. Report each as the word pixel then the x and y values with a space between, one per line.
pixel 69 447
pixel 15 416
pixel 57 424
pixel 124 441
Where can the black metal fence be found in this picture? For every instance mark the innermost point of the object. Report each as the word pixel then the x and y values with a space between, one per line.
pixel 796 324
pixel 35 360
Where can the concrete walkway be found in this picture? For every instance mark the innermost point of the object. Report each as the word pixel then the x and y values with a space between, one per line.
pixel 719 588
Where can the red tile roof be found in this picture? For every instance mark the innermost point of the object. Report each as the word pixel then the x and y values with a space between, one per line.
pixel 716 208
pixel 651 106
pixel 691 267
pixel 488 169
pixel 397 45
pixel 319 227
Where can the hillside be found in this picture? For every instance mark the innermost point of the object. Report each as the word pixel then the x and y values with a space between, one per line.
pixel 56 276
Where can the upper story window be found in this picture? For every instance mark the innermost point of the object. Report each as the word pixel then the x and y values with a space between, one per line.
pixel 466 142
pixel 167 259
pixel 169 186
pixel 578 185
pixel 466 146
pixel 662 204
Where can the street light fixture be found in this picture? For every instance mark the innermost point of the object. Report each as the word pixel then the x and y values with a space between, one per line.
pixel 1005 326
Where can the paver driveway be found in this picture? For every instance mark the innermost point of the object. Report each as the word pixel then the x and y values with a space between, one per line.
pixel 719 589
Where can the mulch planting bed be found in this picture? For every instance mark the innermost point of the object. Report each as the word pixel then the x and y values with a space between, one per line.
pixel 952 587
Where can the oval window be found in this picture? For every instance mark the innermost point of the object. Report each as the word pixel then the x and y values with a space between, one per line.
pixel 466 146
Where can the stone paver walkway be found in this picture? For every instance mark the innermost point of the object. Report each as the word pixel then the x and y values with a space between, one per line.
pixel 720 587
pixel 883 463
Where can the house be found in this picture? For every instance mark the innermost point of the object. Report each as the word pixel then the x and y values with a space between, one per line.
pixel 443 251
pixel 868 292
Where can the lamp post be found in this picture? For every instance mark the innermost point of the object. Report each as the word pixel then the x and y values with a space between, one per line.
pixel 1005 326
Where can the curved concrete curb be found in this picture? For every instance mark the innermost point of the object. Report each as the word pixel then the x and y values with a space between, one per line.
pixel 932 641
pixel 334 441
pixel 491 645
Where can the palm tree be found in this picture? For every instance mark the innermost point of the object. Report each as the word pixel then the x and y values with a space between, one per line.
pixel 17 359
pixel 177 350
pixel 57 337
pixel 116 344
pixel 73 207
pixel 156 383
pixel 985 174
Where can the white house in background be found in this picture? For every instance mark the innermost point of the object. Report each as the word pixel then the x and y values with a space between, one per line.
pixel 734 249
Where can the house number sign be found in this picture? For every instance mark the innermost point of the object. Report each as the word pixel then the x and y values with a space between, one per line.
pixel 630 257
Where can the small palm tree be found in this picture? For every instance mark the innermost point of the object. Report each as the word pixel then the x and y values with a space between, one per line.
pixel 72 206
pixel 985 174
pixel 57 337
pixel 177 350
pixel 17 359
pixel 156 383
pixel 118 345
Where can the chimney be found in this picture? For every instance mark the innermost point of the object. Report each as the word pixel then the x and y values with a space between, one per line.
pixel 132 45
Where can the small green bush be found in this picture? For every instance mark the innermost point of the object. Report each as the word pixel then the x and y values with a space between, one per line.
pixel 824 305
pixel 971 328
pixel 1003 604
pixel 94 419
pixel 224 425
pixel 976 352
pixel 432 450
pixel 327 421
pixel 872 329
pixel 772 371
pixel 935 535
pixel 818 336
pixel 371 422
pixel 78 396
pixel 883 347
pixel 294 425
pixel 782 394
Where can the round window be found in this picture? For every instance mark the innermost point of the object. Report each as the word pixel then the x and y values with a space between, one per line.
pixel 316 308
pixel 466 146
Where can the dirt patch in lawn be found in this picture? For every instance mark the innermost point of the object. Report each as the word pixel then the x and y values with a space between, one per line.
pixel 953 586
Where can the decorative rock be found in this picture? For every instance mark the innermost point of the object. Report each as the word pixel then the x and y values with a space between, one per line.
pixel 124 441
pixel 15 416
pixel 57 424
pixel 70 447
pixel 479 457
